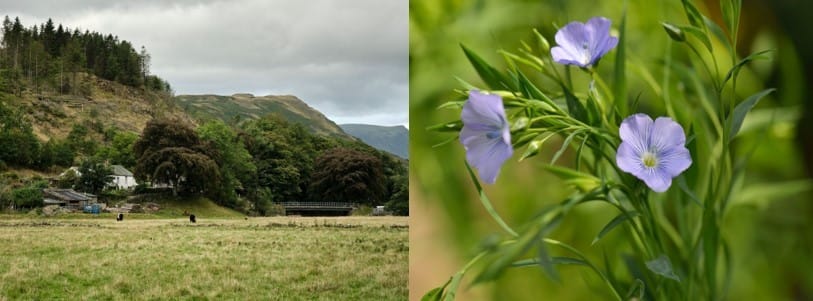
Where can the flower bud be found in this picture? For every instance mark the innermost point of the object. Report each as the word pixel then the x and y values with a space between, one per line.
pixel 674 32
pixel 533 149
pixel 519 124
pixel 543 43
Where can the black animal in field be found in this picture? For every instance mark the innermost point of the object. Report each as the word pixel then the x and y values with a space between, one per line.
pixel 192 218
pixel 120 217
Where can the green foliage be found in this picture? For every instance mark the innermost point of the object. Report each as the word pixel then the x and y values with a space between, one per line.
pixel 283 154
pixel 170 152
pixel 120 150
pixel 18 145
pixel 235 165
pixel 347 175
pixel 94 176
pixel 399 195
pixel 68 179
pixel 29 196
pixel 80 140
pixel 53 55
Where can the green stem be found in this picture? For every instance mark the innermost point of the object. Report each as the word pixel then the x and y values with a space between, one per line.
pixel 590 264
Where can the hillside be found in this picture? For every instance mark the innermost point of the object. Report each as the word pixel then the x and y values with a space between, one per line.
pixel 393 139
pixel 246 106
pixel 108 104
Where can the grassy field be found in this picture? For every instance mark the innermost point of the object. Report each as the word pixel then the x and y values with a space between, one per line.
pixel 277 258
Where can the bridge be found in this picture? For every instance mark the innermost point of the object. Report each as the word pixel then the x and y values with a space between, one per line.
pixel 317 208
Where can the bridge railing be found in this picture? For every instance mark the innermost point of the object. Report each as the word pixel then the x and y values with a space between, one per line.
pixel 317 205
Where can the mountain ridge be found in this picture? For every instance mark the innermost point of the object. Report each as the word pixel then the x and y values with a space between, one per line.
pixel 238 106
pixel 393 139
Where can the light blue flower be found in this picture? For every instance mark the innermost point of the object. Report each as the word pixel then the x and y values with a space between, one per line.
pixel 583 44
pixel 486 135
pixel 652 151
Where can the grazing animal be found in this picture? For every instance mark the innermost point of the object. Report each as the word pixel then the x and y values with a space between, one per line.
pixel 192 218
pixel 120 217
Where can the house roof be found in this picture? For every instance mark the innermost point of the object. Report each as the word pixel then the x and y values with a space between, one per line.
pixel 65 195
pixel 119 170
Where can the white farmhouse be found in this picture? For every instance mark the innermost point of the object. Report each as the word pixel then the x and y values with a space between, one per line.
pixel 122 178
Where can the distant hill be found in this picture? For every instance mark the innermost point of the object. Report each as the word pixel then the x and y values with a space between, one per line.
pixel 241 106
pixel 393 139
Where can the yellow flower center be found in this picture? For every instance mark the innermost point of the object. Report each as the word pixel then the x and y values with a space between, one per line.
pixel 649 160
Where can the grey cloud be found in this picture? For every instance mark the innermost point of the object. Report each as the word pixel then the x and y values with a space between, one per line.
pixel 347 58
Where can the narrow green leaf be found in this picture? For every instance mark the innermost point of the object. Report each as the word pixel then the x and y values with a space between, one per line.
pixel 681 181
pixel 734 121
pixel 565 144
pixel 622 217
pixel 710 239
pixel 468 86
pixel 453 126
pixel 487 203
pixel 546 262
pixel 556 260
pixel 730 16
pixel 518 59
pixel 692 13
pixel 662 266
pixel 620 83
pixel 454 104
pixel 447 141
pixel 560 260
pixel 490 76
pixel 579 180
pixel 718 32
pixel 531 91
pixel 507 255
pixel 451 290
pixel 575 107
pixel 637 286
pixel 736 69
pixel 436 294
pixel 699 34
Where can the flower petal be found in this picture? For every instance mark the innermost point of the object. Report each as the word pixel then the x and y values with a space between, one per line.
pixel 656 179
pixel 636 130
pixel 674 160
pixel 628 159
pixel 485 134
pixel 487 155
pixel 561 56
pixel 667 133
pixel 483 109
pixel 571 40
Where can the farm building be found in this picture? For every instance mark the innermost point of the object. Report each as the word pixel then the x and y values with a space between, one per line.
pixel 67 198
pixel 122 178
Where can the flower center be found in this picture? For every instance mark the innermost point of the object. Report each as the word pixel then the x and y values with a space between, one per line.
pixel 649 160
pixel 493 134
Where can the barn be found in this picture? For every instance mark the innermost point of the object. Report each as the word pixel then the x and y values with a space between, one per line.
pixel 67 198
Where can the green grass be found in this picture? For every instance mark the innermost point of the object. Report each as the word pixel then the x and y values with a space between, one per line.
pixel 282 258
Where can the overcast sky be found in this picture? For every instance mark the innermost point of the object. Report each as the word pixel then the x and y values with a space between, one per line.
pixel 346 58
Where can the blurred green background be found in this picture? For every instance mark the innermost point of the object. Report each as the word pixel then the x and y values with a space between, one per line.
pixel 771 238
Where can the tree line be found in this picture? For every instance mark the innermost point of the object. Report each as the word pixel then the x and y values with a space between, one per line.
pixel 265 161
pixel 51 56
pixel 248 167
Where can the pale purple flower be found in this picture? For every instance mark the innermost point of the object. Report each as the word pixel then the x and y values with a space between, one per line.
pixel 583 44
pixel 652 151
pixel 486 135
